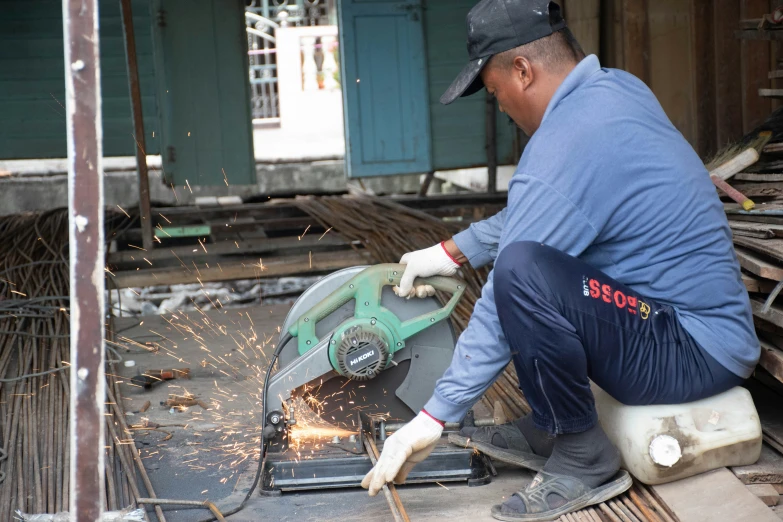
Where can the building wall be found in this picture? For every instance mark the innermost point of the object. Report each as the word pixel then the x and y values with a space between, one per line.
pixel 32 79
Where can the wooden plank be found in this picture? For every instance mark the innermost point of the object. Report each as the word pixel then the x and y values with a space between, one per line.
pixel 711 496
pixel 774 315
pixel 766 493
pixel 775 74
pixel 755 284
pixel 755 34
pixel 728 91
pixel 771 93
pixel 273 267
pixel 755 59
pixel 636 39
pixel 767 470
pixel 704 84
pixel 228 247
pixel 758 176
pixel 753 263
pixel 778 488
pixel 760 189
pixel 770 247
pixel 769 405
pixel 772 361
pixel 769 231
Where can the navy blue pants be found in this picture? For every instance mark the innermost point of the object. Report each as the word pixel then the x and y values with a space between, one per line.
pixel 566 322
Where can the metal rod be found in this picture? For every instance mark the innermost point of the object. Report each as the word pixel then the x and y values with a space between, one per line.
pixel 203 503
pixel 490 121
pixel 392 497
pixel 145 212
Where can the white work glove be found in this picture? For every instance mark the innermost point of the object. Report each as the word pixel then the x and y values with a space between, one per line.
pixel 404 449
pixel 424 263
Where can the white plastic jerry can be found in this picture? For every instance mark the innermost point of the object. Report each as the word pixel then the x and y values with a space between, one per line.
pixel 663 443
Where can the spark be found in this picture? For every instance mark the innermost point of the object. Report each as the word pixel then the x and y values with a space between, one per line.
pixel 305 232
pixel 123 211
pixel 188 184
pixel 322 235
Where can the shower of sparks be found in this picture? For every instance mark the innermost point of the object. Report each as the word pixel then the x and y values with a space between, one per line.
pixel 237 411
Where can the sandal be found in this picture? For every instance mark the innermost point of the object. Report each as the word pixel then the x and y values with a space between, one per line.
pixel 576 493
pixel 518 452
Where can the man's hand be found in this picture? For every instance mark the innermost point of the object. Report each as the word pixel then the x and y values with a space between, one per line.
pixel 435 260
pixel 404 449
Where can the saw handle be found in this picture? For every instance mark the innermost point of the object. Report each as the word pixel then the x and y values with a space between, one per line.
pixel 366 288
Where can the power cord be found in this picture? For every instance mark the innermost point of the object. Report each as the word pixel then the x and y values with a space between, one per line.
pixel 262 456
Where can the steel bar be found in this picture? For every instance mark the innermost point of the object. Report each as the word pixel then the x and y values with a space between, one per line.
pixel 202 503
pixel 392 498
pixel 85 214
pixel 145 212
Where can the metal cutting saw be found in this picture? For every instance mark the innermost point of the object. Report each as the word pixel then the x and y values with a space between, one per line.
pixel 363 360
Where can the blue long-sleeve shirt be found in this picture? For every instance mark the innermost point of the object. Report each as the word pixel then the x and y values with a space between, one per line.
pixel 608 179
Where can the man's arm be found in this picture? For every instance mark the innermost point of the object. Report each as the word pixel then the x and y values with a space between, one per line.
pixel 536 212
pixel 478 244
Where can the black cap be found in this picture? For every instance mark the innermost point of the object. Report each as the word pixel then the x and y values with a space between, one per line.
pixel 495 26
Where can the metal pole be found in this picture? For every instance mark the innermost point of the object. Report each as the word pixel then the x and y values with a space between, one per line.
pixel 86 249
pixel 138 124
pixel 490 121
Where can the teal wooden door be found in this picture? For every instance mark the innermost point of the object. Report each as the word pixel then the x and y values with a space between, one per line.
pixel 204 92
pixel 384 79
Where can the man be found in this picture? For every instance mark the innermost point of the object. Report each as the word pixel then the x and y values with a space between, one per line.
pixel 613 263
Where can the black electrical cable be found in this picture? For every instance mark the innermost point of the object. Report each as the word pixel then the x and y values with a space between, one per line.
pixel 262 456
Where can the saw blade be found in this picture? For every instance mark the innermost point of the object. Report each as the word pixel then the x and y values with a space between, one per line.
pixel 336 399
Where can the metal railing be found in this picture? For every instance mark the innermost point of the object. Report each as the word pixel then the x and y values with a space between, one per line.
pixel 263 18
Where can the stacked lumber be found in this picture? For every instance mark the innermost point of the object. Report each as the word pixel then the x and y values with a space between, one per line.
pixel 758 242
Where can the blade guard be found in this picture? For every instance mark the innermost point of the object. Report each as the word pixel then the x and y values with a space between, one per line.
pixel 366 288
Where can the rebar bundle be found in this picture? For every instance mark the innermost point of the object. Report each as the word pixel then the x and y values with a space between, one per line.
pixel 387 231
pixel 34 379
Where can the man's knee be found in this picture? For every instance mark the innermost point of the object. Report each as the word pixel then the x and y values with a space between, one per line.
pixel 514 261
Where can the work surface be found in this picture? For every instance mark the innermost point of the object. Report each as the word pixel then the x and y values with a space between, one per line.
pixel 209 453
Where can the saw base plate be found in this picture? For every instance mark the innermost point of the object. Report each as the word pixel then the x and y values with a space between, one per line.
pixel 320 466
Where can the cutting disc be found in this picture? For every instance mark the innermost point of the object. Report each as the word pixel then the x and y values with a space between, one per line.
pixel 398 392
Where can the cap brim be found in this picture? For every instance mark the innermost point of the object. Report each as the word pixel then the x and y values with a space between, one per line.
pixel 467 82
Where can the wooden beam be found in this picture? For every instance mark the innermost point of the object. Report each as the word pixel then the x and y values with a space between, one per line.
pixel 134 85
pixel 636 39
pixel 751 262
pixel 755 284
pixel 772 361
pixel 491 135
pixel 704 85
pixel 755 34
pixel 711 496
pixel 774 315
pixel 228 247
pixel 755 57
pixel 766 493
pixel 273 267
pixel 770 247
pixel 771 93
pixel 767 470
pixel 87 379
pixel 728 90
